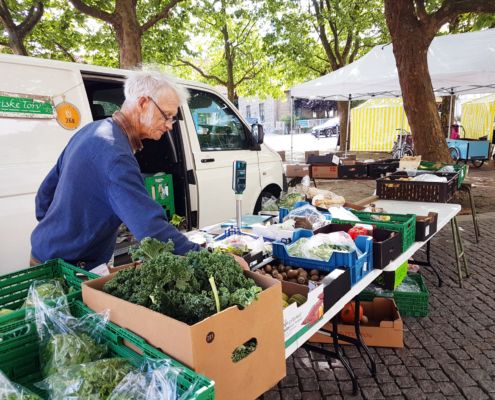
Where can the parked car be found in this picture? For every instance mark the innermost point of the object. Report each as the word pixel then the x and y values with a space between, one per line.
pixel 327 129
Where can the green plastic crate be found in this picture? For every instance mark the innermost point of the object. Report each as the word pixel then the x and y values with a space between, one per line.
pixel 19 354
pixel 161 189
pixel 14 287
pixel 435 166
pixel 409 304
pixel 405 224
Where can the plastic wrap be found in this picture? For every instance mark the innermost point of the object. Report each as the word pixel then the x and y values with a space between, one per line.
pixel 66 340
pixel 157 380
pixel 282 231
pixel 90 381
pixel 307 217
pixel 288 200
pixel 269 203
pixel 49 292
pixel 327 200
pixel 239 244
pixel 12 391
pixel 322 246
pixel 429 178
pixel 342 214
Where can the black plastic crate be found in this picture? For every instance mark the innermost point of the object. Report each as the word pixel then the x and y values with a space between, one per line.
pixel 426 226
pixel 355 171
pixel 323 159
pixel 382 168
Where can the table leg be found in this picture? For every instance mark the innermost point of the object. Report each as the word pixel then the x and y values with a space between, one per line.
pixel 337 354
pixel 473 214
pixel 459 251
pixel 428 263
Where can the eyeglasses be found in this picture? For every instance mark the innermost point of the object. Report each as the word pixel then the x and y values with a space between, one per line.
pixel 172 120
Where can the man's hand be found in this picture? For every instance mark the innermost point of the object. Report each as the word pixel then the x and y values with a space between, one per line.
pixel 244 265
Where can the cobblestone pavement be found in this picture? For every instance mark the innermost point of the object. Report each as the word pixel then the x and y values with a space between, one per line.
pixel 449 354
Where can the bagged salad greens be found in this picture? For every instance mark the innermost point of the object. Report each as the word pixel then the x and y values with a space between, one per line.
pixel 66 340
pixel 12 391
pixel 322 246
pixel 89 381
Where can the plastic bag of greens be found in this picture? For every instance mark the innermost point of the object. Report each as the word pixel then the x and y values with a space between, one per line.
pixel 323 245
pixel 12 391
pixel 66 340
pixel 47 291
pixel 307 217
pixel 90 381
pixel 157 380
pixel 269 203
pixel 288 200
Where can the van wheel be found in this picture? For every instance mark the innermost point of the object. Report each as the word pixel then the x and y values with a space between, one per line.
pixel 294 181
pixel 257 207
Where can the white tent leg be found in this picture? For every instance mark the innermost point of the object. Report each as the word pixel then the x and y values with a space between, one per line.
pixel 291 128
pixel 450 113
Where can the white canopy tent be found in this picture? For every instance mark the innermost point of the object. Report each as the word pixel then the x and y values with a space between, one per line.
pixel 458 64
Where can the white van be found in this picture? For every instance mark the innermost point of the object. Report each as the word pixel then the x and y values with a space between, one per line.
pixel 44 102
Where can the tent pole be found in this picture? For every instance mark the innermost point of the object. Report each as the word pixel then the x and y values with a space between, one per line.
pixel 291 128
pixel 347 125
pixel 450 111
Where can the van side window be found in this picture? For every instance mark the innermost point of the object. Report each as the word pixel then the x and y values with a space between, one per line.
pixel 104 97
pixel 217 126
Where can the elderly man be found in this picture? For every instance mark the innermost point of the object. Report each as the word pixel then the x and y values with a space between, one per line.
pixel 96 184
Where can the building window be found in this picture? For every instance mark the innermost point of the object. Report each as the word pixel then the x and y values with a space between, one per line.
pixel 262 112
pixel 248 111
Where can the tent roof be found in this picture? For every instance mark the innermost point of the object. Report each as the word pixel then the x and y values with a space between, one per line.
pixel 463 63
pixel 381 103
pixel 482 100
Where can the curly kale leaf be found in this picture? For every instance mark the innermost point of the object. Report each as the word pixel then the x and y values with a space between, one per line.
pixel 244 297
pixel 66 349
pixel 92 381
pixel 150 248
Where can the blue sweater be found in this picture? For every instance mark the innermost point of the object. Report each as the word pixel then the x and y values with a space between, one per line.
pixel 94 187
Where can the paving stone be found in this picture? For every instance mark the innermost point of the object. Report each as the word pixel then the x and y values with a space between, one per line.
pixel 321 365
pixel 306 373
pixel 457 375
pixel 430 363
pixel 419 373
pixel 292 393
pixel 309 384
pixel 371 393
pixel 289 381
pixel 303 362
pixel 341 374
pixel 327 375
pixel 428 386
pixel 449 389
pixel 334 397
pixel 311 396
pixel 438 376
pixel 390 389
pixel 414 394
pixel 271 395
pixel 329 388
pixel 406 382
pixel 398 370
pixel 474 393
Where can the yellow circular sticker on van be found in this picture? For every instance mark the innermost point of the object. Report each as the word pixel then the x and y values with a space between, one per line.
pixel 68 116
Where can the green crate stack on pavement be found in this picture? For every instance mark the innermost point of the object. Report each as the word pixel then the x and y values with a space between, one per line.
pixel 405 224
pixel 161 189
pixel 14 287
pixel 19 354
pixel 410 304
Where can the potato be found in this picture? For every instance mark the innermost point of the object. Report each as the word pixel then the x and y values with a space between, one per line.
pixel 314 272
pixel 268 268
pixel 281 268
pixel 303 273
pixel 315 278
pixel 293 280
pixel 275 273
pixel 284 275
pixel 302 280
pixel 279 277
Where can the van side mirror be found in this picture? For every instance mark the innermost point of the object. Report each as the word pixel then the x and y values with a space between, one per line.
pixel 258 133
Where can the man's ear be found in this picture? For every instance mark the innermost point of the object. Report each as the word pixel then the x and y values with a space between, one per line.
pixel 141 103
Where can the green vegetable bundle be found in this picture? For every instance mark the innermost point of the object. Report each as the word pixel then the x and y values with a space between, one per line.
pixel 91 381
pixel 288 200
pixel 179 286
pixel 12 391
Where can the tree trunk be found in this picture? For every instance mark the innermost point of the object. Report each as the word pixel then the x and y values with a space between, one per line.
pixel 411 40
pixel 16 44
pixel 445 110
pixel 128 33
pixel 342 107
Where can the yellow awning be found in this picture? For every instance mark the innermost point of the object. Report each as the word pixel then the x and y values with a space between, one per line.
pixel 478 117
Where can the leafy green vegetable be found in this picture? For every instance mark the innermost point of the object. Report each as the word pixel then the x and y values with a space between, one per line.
pixel 288 200
pixel 180 286
pixel 45 291
pixel 244 350
pixel 12 391
pixel 150 248
pixel 66 349
pixel 302 248
pixel 91 381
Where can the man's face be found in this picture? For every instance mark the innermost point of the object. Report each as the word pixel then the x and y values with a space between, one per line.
pixel 157 114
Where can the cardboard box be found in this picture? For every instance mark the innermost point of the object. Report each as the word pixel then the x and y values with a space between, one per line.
pixel 297 170
pixel 207 346
pixel 281 154
pixel 319 300
pixel 384 329
pixel 426 226
pixel 324 171
pixel 310 153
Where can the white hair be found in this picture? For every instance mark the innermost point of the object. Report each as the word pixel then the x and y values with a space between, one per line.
pixel 152 83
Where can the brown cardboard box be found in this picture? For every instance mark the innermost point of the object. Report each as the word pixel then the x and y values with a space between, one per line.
pixel 384 329
pixel 348 161
pixel 308 153
pixel 112 269
pixel 207 346
pixel 324 171
pixel 281 154
pixel 297 170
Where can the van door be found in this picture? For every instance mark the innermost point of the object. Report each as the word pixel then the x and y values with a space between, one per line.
pixel 218 137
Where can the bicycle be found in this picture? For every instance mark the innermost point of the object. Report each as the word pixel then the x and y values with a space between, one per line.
pixel 403 146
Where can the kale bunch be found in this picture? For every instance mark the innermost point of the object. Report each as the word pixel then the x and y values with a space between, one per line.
pixel 179 286
pixel 92 381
